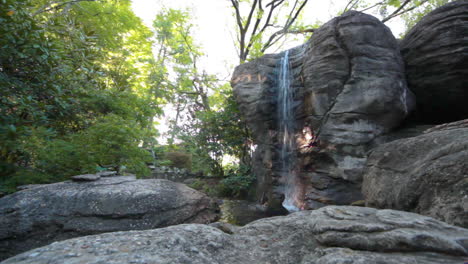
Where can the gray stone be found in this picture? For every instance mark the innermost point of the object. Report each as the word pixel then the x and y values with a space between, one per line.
pixel 349 85
pixel 426 174
pixel 435 52
pixel 28 186
pixel 225 227
pixel 107 173
pixel 331 234
pixel 38 216
pixel 86 177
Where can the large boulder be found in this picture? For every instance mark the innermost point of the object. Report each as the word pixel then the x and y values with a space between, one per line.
pixel 349 87
pixel 426 174
pixel 331 234
pixel 38 216
pixel 435 52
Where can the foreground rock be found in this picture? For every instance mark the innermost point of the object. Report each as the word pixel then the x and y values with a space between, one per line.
pixel 436 58
pixel 38 216
pixel 427 174
pixel 349 88
pixel 329 235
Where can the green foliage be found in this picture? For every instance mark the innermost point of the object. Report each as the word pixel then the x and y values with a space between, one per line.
pixel 409 11
pixel 212 190
pixel 76 83
pixel 197 185
pixel 413 17
pixel 206 119
pixel 112 142
pixel 215 133
pixel 179 159
pixel 261 26
pixel 238 182
pixel 24 177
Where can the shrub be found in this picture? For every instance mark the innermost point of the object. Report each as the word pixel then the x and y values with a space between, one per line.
pixel 197 185
pixel 110 142
pixel 238 182
pixel 179 159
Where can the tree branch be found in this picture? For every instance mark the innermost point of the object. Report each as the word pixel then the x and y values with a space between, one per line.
pixel 399 8
pixel 349 6
pixel 395 14
pixel 370 7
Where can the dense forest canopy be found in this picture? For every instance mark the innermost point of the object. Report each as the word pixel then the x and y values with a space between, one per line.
pixel 83 82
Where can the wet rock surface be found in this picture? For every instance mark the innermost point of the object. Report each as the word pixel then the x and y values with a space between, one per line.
pixel 426 174
pixel 333 234
pixel 38 216
pixel 349 88
pixel 435 51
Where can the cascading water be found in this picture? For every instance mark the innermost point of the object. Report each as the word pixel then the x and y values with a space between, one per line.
pixel 286 121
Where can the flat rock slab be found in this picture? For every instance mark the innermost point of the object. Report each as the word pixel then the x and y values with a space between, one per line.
pixel 331 234
pixel 36 217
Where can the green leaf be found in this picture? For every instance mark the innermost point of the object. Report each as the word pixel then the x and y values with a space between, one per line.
pixel 395 3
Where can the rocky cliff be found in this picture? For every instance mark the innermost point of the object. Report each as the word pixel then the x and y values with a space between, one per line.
pixel 349 87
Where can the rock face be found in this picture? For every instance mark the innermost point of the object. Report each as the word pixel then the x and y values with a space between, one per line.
pixel 331 234
pixel 435 51
pixel 427 174
pixel 349 87
pixel 38 216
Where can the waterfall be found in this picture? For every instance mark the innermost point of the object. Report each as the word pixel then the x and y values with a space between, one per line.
pixel 286 120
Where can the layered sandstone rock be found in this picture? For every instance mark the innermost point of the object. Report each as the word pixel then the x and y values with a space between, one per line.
pixel 349 87
pixel 435 52
pixel 426 174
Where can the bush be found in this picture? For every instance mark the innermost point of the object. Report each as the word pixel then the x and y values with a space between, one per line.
pixel 179 160
pixel 238 182
pixel 110 142
pixel 23 177
pixel 197 185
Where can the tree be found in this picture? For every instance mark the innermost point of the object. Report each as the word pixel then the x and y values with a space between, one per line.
pixel 410 11
pixel 413 16
pixel 65 69
pixel 205 120
pixel 260 25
